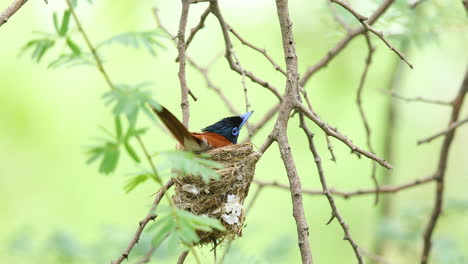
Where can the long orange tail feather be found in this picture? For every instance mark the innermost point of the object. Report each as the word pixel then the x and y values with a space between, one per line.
pixel 178 130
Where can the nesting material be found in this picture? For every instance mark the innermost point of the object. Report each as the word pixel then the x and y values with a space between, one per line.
pixel 223 198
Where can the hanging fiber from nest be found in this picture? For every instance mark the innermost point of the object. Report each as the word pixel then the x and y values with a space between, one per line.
pixel 223 198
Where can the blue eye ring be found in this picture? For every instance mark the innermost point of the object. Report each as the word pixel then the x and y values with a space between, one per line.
pixel 235 131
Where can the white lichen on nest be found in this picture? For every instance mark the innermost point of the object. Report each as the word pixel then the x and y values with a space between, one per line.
pixel 232 209
pixel 223 198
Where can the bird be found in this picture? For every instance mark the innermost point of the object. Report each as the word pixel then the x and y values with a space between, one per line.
pixel 220 134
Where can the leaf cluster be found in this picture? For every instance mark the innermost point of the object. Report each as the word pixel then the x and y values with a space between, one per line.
pixel 180 226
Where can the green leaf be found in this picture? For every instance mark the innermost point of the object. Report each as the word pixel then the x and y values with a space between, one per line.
pixel 201 220
pixel 71 60
pixel 131 152
pixel 56 24
pixel 118 128
pixel 39 46
pixel 164 227
pixel 147 39
pixel 135 181
pixel 65 22
pixel 73 46
pixel 189 163
pixel 110 159
pixel 128 100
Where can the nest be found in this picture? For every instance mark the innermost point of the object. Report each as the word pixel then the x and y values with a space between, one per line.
pixel 223 198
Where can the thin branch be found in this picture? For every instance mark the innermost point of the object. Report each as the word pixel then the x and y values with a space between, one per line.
pixel 252 46
pixel 362 19
pixel 90 46
pixel 181 49
pixel 386 189
pixel 441 169
pixel 443 132
pixel 365 122
pixel 11 10
pixel 326 192
pixel 374 257
pixel 158 22
pixel 229 47
pixel 142 224
pixel 182 257
pixel 268 116
pixel 244 84
pixel 330 148
pixel 343 43
pixel 418 99
pixel 194 30
pixel 337 18
pixel 147 257
pixel 331 132
pixel 416 3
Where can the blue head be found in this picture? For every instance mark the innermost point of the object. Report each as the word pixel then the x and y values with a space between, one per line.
pixel 229 127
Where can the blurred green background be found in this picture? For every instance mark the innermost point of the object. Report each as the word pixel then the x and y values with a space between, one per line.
pixel 56 209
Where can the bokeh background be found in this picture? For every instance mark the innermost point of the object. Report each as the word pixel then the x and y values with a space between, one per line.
pixel 54 208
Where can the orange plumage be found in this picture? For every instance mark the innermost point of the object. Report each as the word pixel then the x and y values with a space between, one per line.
pixel 220 134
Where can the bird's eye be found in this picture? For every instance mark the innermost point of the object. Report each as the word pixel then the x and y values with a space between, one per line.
pixel 235 131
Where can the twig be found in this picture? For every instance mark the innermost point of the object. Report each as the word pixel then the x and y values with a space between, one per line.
pixel 158 22
pixel 374 257
pixel 194 30
pixel 326 192
pixel 252 46
pixel 443 132
pixel 349 194
pixel 268 116
pixel 343 43
pixel 147 257
pixel 330 148
pixel 362 19
pixel 441 168
pixel 416 3
pixel 142 224
pixel 416 99
pixel 331 132
pixel 367 128
pixel 11 10
pixel 337 18
pixel 199 1
pixel 90 46
pixel 244 84
pixel 182 257
pixel 228 46
pixel 181 49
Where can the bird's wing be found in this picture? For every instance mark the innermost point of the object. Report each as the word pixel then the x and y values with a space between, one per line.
pixel 178 130
pixel 212 140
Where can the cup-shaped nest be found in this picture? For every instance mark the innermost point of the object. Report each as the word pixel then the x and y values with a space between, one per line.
pixel 222 198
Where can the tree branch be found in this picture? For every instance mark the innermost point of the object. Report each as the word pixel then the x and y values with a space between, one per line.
pixel 11 10
pixel 326 192
pixel 443 132
pixel 229 47
pixel 387 189
pixel 367 128
pixel 416 99
pixel 182 77
pixel 441 168
pixel 262 51
pixel 280 130
pixel 362 19
pixel 343 43
pixel 142 224
pixel 331 132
